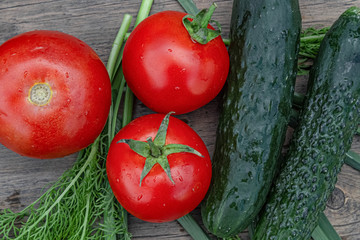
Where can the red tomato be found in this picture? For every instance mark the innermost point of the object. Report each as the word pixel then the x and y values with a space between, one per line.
pixel 167 70
pixel 158 199
pixel 55 94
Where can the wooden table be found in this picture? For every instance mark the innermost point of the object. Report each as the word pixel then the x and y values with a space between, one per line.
pixel 96 22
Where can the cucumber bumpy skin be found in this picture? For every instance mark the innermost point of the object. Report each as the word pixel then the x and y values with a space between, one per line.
pixel 324 135
pixel 255 111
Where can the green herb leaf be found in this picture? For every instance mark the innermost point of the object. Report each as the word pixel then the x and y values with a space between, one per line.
pixel 193 228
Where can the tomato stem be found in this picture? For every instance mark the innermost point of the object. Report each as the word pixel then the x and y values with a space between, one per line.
pixel 197 26
pixel 154 150
pixel 205 20
pixel 158 152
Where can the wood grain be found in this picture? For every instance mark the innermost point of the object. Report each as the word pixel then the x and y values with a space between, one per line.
pixel 96 22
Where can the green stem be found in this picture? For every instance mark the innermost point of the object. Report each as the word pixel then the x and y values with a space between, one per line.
pixel 207 17
pixel 154 150
pixel 298 99
pixel 113 58
pixel 83 235
pixel 129 102
pixel 117 106
pixel 115 72
pixel 143 13
pixel 353 159
pixel 113 69
pixel 324 230
pixel 193 228
pixel 189 6
pixel 226 41
pixel 312 38
pixel 119 39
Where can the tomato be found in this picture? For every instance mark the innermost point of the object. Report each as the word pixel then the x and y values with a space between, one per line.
pixel 55 94
pixel 154 193
pixel 167 70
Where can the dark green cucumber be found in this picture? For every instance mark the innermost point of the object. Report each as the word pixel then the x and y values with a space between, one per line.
pixel 325 132
pixel 255 111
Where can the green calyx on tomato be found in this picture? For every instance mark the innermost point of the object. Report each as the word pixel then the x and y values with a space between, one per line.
pixel 198 27
pixel 155 151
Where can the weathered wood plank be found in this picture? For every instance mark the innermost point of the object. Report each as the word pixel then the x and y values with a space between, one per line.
pixel 320 13
pixel 96 22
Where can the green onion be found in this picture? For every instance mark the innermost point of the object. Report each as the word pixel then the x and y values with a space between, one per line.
pixel 324 231
pixel 189 6
pixel 353 160
pixel 193 228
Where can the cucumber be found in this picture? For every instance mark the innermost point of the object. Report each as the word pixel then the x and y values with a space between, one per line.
pixel 325 132
pixel 255 111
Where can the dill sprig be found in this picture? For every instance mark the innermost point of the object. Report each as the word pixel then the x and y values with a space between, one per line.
pixel 310 40
pixel 80 204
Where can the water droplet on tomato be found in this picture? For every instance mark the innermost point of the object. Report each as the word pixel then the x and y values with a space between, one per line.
pixel 86 113
pixel 170 50
pixel 177 88
pixel 139 197
pixel 181 179
pixel 196 187
pixel 100 89
pixel 25 74
pixel 67 75
pixel 117 180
